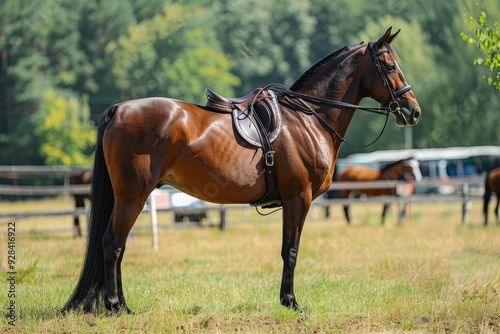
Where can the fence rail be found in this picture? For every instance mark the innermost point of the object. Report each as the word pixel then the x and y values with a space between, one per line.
pixel 466 190
pixel 18 172
pixel 80 189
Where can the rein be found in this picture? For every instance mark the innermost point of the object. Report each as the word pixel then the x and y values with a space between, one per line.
pixel 297 101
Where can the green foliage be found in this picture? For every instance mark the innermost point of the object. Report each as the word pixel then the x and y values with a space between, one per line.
pixel 270 41
pixel 65 130
pixel 487 39
pixel 25 268
pixel 171 54
pixel 113 50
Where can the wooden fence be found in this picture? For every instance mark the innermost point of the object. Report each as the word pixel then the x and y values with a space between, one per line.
pixel 466 190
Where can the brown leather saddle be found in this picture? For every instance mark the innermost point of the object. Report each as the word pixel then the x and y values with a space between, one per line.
pixel 257 119
pixel 254 114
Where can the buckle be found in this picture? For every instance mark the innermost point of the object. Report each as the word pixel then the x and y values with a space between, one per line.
pixel 269 158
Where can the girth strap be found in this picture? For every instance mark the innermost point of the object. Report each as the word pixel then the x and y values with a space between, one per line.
pixel 272 198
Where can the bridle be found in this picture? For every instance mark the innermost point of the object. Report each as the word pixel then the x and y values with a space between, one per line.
pixel 391 104
pixel 299 102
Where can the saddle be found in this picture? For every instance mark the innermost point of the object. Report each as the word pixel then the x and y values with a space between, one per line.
pixel 260 107
pixel 257 119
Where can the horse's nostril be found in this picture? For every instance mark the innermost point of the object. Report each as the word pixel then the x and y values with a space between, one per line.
pixel 416 114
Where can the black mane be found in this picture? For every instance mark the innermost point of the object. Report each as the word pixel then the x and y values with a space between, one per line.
pixel 310 72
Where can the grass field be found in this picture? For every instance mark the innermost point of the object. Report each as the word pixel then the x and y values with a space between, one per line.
pixel 429 275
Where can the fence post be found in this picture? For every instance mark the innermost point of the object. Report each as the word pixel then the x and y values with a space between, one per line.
pixel 466 204
pixel 399 194
pixel 222 211
pixel 154 219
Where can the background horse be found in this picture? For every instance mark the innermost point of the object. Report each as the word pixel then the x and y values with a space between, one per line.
pixel 83 178
pixel 405 169
pixel 492 184
pixel 145 143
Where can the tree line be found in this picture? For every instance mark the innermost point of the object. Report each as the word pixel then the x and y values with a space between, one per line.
pixel 62 63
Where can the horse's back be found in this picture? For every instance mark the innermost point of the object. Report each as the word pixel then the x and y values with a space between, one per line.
pixel 168 141
pixel 363 174
pixel 358 173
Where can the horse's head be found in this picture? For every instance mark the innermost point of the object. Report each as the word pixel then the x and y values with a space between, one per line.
pixel 411 167
pixel 386 83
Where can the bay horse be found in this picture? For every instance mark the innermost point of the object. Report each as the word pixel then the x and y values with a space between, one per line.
pixel 83 178
pixel 404 169
pixel 492 184
pixel 149 142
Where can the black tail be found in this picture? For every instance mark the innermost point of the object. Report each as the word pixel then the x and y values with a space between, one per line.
pixel 486 198
pixel 90 287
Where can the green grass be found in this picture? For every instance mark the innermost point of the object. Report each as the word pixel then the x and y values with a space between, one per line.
pixel 429 275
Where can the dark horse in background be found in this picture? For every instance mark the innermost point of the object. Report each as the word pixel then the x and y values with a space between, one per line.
pixel 83 178
pixel 492 184
pixel 404 170
pixel 149 142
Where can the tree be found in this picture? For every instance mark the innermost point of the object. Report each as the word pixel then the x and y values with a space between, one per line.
pixel 487 39
pixel 65 130
pixel 174 53
pixel 270 41
pixel 44 44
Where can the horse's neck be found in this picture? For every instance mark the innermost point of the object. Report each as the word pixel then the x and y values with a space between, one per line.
pixel 389 174
pixel 335 82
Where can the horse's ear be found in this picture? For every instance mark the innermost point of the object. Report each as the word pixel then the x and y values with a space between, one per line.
pixel 393 36
pixel 384 39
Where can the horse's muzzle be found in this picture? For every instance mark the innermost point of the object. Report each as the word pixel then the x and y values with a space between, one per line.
pixel 406 117
pixel 415 116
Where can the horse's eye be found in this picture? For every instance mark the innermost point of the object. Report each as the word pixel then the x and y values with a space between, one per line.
pixel 391 67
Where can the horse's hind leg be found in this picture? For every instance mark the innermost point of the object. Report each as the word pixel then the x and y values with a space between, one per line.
pixel 125 213
pixel 79 203
pixel 121 297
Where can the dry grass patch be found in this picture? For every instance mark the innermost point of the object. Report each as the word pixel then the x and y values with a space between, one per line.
pixel 429 275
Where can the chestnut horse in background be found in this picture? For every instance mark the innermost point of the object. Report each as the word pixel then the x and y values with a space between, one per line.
pixel 83 178
pixel 146 143
pixel 492 184
pixel 405 170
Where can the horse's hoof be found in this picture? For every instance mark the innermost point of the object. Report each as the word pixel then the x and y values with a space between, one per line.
pixel 118 308
pixel 290 302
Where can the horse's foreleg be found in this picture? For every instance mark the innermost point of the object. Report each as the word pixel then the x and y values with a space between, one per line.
pixel 496 209
pixel 113 242
pixel 294 214
pixel 77 232
pixel 384 212
pixel 346 213
pixel 402 212
pixel 347 194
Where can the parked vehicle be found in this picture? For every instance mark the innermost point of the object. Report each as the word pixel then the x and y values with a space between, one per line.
pixel 435 163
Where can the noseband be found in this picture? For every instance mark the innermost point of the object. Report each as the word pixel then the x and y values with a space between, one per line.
pixel 391 102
